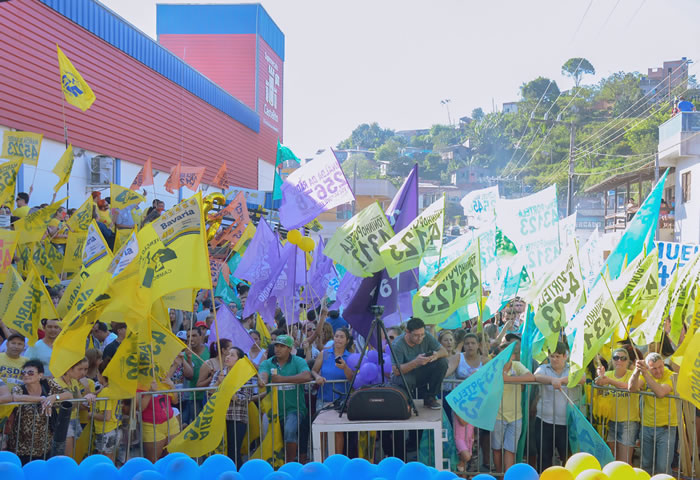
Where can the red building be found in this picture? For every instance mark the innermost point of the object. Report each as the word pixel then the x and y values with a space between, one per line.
pixel 151 102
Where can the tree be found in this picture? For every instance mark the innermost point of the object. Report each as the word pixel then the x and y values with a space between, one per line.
pixel 576 67
pixel 367 136
pixel 535 89
pixel 365 168
pixel 477 114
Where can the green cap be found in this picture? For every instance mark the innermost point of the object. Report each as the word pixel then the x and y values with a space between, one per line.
pixel 285 340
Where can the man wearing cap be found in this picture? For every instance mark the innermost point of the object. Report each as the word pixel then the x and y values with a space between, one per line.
pixel 287 368
pixel 11 362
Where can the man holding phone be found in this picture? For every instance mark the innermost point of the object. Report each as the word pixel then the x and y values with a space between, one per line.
pixel 423 362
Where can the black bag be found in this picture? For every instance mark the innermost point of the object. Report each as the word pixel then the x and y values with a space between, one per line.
pixel 379 402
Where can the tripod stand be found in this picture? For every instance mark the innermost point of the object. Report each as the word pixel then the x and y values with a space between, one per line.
pixel 378 328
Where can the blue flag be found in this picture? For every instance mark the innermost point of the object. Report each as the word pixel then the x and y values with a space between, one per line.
pixel 640 232
pixel 476 400
pixel 584 438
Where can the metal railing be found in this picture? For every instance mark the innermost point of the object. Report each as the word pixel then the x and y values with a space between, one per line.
pixel 669 447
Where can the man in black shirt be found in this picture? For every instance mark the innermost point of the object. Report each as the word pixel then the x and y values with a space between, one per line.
pixel 111 349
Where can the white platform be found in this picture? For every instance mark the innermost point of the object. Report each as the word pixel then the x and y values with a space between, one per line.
pixel 329 422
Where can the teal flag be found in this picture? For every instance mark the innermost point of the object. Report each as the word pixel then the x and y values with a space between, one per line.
pixel 476 400
pixel 529 330
pixel 639 234
pixel 225 292
pixel 426 452
pixel 584 438
pixel 283 154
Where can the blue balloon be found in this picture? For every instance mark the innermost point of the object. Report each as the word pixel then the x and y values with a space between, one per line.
pixel 372 356
pixel 10 458
pixel 133 466
pixel 162 463
pixel 352 360
pixel 182 469
pixel 389 467
pixel 255 469
pixel 412 471
pixel 433 470
pixel 484 476
pixel 215 466
pixel 292 468
pixel 521 471
pixel 94 460
pixel 336 462
pixel 315 471
pixel 278 476
pixel 103 471
pixel 358 469
pixel 62 468
pixel 444 475
pixel 11 471
pixel 36 470
pixel 230 476
pixel 149 475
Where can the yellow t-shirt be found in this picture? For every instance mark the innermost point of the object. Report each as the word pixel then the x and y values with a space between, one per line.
pixel 511 409
pixel 76 388
pixel 85 414
pixel 625 406
pixel 659 412
pixel 62 230
pixel 105 217
pixel 21 212
pixel 101 426
pixel 10 369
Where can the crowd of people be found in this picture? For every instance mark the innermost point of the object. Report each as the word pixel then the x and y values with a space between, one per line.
pixel 309 357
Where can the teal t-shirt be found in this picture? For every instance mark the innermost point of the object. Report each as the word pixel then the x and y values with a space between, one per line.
pixel 196 365
pixel 291 396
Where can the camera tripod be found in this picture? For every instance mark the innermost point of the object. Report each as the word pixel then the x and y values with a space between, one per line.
pixel 377 328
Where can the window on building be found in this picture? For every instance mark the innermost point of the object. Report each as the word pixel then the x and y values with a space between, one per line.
pixel 343 212
pixel 685 186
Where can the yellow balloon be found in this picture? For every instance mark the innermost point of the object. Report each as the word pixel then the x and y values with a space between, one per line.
pixel 214 222
pixel 293 237
pixel 307 244
pixel 556 473
pixel 579 462
pixel 620 471
pixel 641 474
pixel 592 474
pixel 662 476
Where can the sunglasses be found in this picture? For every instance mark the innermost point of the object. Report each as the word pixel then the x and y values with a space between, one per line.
pixel 28 373
pixel 619 359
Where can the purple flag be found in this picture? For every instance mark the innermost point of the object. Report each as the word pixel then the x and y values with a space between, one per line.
pixel 319 276
pixel 263 251
pixel 380 289
pixel 395 293
pixel 315 187
pixel 230 327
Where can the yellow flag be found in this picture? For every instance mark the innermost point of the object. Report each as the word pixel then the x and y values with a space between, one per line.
pixel 24 256
pixel 123 370
pixel 693 326
pixel 8 244
pixel 121 237
pixel 21 146
pixel 33 227
pixel 70 294
pixel 173 250
pixel 689 375
pixel 63 168
pixel 12 283
pixel 242 243
pixel 272 447
pixel 73 258
pixel 260 326
pixel 75 89
pixel 96 253
pixel 163 346
pixel 123 197
pixel 205 433
pixel 48 261
pixel 82 218
pixel 24 311
pixel 181 299
pixel 8 180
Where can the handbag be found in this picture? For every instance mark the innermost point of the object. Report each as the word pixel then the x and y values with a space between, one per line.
pixel 379 402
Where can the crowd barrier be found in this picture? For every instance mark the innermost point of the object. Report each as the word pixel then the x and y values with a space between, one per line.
pixel 598 404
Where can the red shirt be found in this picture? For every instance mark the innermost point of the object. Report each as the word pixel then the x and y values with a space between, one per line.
pixel 161 413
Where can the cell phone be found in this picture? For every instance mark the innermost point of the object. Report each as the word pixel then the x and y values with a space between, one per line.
pixel 338 359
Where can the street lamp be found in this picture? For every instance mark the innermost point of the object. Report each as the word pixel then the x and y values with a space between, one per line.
pixel 446 102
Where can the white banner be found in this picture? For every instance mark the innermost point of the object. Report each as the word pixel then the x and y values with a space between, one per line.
pixel 592 261
pixel 480 206
pixel 532 223
pixel 672 254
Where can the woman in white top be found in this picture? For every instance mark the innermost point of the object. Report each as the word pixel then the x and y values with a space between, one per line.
pixel 256 354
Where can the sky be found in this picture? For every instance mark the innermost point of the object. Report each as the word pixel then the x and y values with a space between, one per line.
pixel 393 61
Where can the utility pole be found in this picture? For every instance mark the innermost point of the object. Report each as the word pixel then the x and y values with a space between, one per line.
pixel 354 187
pixel 446 103
pixel 570 186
